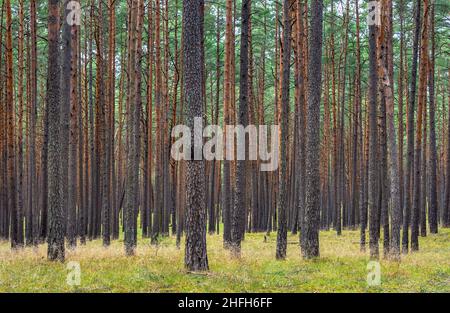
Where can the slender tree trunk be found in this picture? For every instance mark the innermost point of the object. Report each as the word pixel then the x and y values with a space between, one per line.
pixel 32 212
pixel 111 117
pixel 10 136
pixel 65 81
pixel 372 162
pixel 19 163
pixel 283 187
pixel 433 205
pixel 410 127
pixel 238 213
pixel 420 110
pixel 157 218
pixel 148 199
pixel 446 209
pixel 400 109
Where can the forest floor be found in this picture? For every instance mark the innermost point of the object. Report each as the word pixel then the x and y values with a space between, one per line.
pixel 341 268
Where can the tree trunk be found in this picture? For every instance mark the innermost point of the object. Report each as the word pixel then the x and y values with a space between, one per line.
pixel 283 186
pixel 410 127
pixel 73 141
pixel 32 210
pixel 310 231
pixel 420 110
pixel 131 187
pixel 10 136
pixel 56 218
pixel 433 205
pixel 238 213
pixel 372 162
pixel 196 258
pixel 391 139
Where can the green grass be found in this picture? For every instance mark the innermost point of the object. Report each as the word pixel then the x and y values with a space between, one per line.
pixel 341 268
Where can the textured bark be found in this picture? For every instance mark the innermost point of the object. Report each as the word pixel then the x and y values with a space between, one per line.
pixel 172 164
pixel 148 199
pixel 357 103
pixel 73 141
pixel 391 140
pixel 101 139
pixel 212 187
pixel 359 185
pixel 120 155
pixel 433 205
pixel 300 158
pixel 410 145
pixel 195 254
pixel 335 128
pixel 226 189
pixel 424 179
pixel 65 81
pixel 157 218
pixel 137 111
pixel 418 149
pixel 4 218
pixel 10 136
pixel 446 209
pixel 111 118
pixel 131 187
pixel 341 196
pixel 372 162
pixel 166 208
pixel 400 118
pixel 20 142
pixel 283 186
pixel 32 215
pixel 55 211
pixel 383 56
pixel 93 157
pixel 84 216
pixel 262 177
pixel 238 213
pixel 310 233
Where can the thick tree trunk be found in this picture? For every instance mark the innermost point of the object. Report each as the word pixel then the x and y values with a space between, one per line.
pixel 131 185
pixel 56 218
pixel 391 140
pixel 73 141
pixel 310 231
pixel 196 258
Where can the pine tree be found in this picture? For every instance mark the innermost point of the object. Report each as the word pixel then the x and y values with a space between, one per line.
pixel 196 258
pixel 310 233
pixel 238 216
pixel 283 188
pixel 55 211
